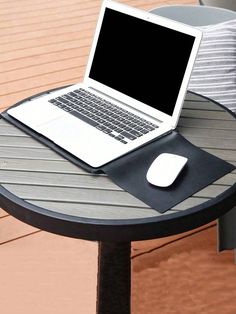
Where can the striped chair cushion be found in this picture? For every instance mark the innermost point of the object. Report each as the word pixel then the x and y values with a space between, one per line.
pixel 214 73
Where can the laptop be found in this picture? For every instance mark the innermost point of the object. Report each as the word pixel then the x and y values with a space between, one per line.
pixel 133 89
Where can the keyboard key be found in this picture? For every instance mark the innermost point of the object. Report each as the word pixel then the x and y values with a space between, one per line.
pixel 73 94
pixel 118 130
pixel 67 109
pixel 101 127
pixel 149 127
pixel 128 129
pixel 144 131
pixel 68 98
pixel 107 131
pixel 128 135
pixel 136 133
pixel 138 128
pixel 84 118
pixel 65 101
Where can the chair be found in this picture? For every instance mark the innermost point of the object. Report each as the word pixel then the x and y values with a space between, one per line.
pixel 200 16
pixel 195 15
pixel 227 4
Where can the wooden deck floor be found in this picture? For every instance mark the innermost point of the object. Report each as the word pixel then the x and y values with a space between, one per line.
pixel 45 44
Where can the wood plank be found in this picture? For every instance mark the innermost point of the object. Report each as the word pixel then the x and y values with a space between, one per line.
pixel 45 12
pixel 227 155
pixel 57 166
pixel 4 123
pixel 43 58
pixel 29 153
pixel 76 72
pixel 195 98
pixel 154 4
pixel 71 43
pixel 47 40
pixel 99 211
pixel 209 106
pixel 207 124
pixel 90 196
pixel 211 191
pixel 84 30
pixel 11 131
pixel 28 6
pixel 206 114
pixel 3 214
pixel 45 19
pixel 47 68
pixel 207 133
pixel 20 141
pixel 58 180
pixel 20 229
pixel 67 64
pixel 228 179
pixel 13 97
pixel 107 211
pixel 207 142
pixel 190 202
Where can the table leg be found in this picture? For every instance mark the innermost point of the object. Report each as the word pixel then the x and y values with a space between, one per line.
pixel 114 278
pixel 226 229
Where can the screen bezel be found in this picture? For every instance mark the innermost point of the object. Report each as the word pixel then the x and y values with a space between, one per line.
pixel 155 113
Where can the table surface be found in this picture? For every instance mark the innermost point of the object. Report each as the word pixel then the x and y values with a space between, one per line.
pixel 43 189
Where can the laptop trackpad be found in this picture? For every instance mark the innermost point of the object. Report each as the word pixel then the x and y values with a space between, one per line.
pixel 36 113
pixel 73 135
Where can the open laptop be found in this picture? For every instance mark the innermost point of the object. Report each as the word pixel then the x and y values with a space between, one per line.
pixel 133 89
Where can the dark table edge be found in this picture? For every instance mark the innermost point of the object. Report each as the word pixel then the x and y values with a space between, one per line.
pixel 117 230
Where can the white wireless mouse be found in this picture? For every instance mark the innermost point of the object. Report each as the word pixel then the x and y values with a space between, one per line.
pixel 165 169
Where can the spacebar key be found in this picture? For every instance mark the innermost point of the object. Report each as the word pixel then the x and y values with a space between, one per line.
pixel 128 135
pixel 84 118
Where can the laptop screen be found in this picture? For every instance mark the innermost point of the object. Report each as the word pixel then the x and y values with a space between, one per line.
pixel 141 59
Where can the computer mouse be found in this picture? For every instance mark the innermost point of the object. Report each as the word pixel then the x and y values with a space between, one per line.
pixel 165 169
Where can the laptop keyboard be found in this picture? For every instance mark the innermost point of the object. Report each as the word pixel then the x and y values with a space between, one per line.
pixel 107 117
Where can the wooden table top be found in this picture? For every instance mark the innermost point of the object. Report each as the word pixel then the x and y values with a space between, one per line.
pixel 51 193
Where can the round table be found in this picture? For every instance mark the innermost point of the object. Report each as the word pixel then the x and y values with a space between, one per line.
pixel 41 188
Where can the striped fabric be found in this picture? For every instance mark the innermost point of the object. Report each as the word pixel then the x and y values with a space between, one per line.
pixel 214 73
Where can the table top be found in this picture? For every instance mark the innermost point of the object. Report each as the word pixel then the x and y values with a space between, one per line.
pixel 43 189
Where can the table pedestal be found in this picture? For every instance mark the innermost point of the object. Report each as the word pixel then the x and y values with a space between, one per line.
pixel 227 232
pixel 114 278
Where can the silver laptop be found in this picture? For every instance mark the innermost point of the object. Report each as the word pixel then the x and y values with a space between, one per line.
pixel 133 89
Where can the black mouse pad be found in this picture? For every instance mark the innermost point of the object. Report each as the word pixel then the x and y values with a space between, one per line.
pixel 129 171
pixel 202 168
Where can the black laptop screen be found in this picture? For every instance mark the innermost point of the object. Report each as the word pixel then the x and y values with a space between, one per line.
pixel 140 59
